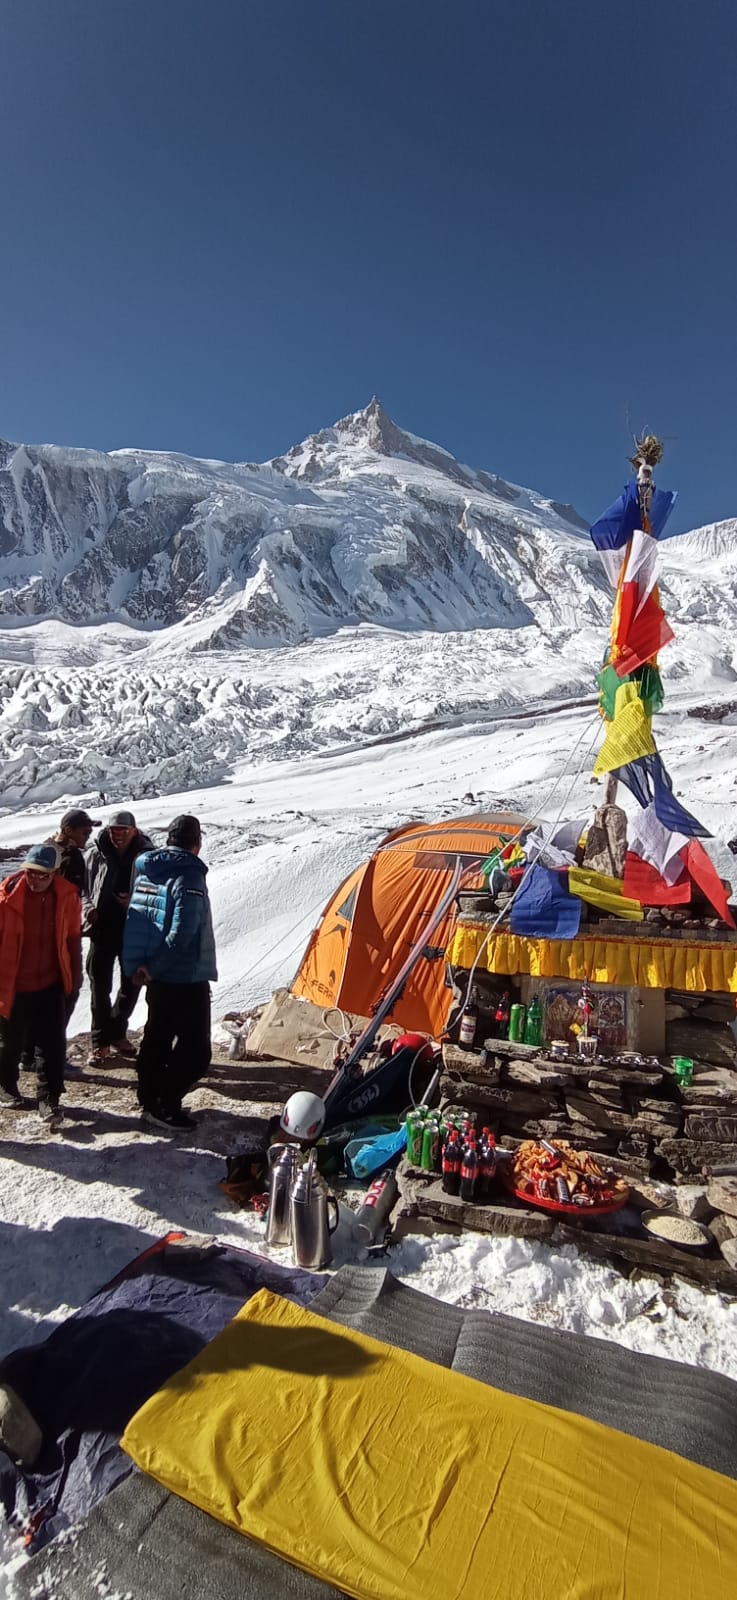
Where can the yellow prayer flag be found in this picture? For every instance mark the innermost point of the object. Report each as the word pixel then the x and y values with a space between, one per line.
pixel 605 892
pixel 629 735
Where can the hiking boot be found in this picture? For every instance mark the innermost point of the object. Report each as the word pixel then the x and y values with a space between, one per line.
pixel 10 1100
pixel 123 1047
pixel 99 1056
pixel 164 1117
pixel 50 1113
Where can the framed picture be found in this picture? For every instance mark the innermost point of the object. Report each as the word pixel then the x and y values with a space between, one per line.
pixel 608 1020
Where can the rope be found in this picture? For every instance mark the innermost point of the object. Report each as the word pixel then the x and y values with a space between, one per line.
pixel 238 982
pixel 546 840
pixel 319 904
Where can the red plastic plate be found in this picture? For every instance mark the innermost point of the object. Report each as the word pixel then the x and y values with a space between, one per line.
pixel 563 1207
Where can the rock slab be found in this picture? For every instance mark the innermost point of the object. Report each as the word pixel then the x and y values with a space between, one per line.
pixel 427 1198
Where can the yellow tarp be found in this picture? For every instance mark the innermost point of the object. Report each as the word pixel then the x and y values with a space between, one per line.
pixel 641 963
pixel 395 1479
pixel 604 892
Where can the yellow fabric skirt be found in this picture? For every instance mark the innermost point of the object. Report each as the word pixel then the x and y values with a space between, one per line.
pixel 641 963
pixel 395 1479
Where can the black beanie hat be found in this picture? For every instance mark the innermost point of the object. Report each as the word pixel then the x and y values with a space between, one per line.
pixel 184 831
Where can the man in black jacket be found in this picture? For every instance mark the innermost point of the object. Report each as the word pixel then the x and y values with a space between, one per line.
pixel 74 834
pixel 108 874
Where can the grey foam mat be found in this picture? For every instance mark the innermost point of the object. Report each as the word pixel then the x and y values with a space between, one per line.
pixel 150 1545
pixel 685 1409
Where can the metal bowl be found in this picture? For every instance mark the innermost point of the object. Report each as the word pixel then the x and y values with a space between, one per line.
pixel 695 1246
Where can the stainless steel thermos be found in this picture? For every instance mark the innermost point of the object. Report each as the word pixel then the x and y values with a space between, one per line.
pixel 284 1163
pixel 310 1202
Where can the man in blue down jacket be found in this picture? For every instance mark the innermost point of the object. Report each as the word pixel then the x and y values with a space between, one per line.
pixel 168 944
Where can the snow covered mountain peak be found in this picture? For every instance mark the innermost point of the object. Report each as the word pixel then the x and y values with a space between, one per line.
pixel 362 522
pixel 423 591
pixel 346 447
pixel 369 429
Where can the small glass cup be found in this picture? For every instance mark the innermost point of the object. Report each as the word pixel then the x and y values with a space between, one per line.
pixel 588 1045
pixel 684 1071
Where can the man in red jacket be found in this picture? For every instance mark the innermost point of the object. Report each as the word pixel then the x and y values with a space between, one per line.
pixel 40 964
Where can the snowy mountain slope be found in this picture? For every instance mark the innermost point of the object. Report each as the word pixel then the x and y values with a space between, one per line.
pixel 360 523
pixel 363 586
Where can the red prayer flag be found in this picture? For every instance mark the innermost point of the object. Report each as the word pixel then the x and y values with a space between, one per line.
pixel 640 634
pixel 644 883
pixel 704 874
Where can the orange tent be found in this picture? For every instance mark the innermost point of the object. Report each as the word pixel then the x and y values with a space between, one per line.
pixel 374 919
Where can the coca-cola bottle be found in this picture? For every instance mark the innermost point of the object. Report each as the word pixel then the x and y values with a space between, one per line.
pixel 469 1170
pixel 501 1016
pixel 452 1162
pixel 487 1161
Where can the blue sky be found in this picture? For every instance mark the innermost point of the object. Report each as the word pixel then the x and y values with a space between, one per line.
pixel 227 224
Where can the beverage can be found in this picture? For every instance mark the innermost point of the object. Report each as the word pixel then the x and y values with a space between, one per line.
pixel 517 1022
pixel 415 1128
pixel 430 1145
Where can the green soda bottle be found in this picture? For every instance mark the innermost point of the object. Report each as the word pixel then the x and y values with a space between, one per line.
pixel 534 1023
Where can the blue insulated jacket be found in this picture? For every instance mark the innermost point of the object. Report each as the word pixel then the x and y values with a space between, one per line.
pixel 168 928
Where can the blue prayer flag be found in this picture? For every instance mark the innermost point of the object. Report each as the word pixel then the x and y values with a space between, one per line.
pixel 668 809
pixel 543 908
pixel 649 781
pixel 612 530
pixel 661 505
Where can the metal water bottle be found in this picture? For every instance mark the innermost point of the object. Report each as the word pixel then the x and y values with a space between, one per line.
pixel 284 1159
pixel 372 1216
pixel 309 1205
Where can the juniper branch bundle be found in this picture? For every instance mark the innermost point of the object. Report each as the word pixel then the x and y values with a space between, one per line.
pixel 648 451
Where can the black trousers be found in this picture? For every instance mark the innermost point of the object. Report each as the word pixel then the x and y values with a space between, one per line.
pixel 175 1049
pixel 109 1018
pixel 26 1055
pixel 37 1023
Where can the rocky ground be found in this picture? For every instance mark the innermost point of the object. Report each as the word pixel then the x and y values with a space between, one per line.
pixel 258 1087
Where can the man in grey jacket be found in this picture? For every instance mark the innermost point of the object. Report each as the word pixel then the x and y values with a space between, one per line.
pixel 108 876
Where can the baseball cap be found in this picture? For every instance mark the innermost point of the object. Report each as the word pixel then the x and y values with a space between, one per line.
pixel 42 858
pixel 122 819
pixel 79 819
pixel 184 831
